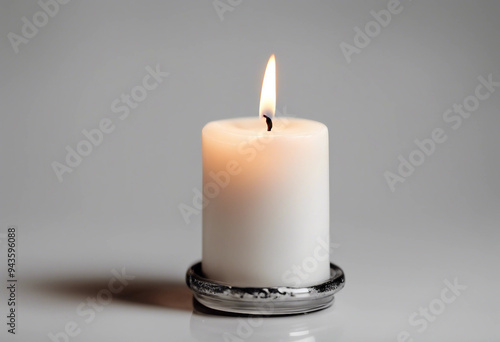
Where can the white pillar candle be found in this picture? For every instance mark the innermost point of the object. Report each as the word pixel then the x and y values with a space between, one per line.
pixel 266 214
pixel 266 198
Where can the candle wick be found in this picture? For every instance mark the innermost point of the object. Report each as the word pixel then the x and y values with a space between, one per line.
pixel 269 123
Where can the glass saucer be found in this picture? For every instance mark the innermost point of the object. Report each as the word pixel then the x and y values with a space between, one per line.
pixel 264 301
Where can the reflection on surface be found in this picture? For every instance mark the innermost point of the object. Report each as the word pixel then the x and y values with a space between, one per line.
pixel 208 325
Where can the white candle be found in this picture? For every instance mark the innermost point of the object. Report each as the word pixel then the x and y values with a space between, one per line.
pixel 266 201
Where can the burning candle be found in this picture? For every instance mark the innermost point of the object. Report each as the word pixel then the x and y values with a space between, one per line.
pixel 266 198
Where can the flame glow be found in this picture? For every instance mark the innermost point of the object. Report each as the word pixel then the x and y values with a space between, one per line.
pixel 268 95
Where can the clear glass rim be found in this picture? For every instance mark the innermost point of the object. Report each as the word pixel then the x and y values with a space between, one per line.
pixel 281 300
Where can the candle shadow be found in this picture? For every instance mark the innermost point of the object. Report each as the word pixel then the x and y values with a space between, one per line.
pixel 171 294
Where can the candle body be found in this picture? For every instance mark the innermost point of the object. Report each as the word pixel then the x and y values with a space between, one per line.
pixel 266 202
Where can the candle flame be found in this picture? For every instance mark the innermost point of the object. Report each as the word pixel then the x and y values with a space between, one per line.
pixel 268 95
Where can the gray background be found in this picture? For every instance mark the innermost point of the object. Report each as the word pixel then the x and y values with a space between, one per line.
pixel 119 207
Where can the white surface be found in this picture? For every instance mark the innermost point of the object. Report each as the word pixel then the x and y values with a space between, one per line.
pixel 119 207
